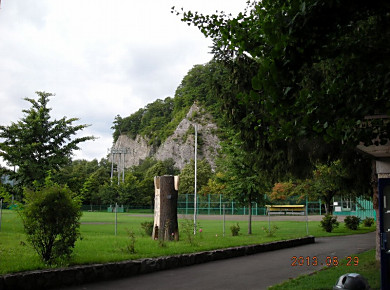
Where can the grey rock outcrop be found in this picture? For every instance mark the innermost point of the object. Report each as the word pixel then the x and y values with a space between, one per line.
pixel 180 146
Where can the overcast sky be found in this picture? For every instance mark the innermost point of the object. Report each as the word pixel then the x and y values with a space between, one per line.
pixel 100 58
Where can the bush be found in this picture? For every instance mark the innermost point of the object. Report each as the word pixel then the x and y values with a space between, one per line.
pixel 148 228
pixel 187 228
pixel 270 232
pixel 329 223
pixel 130 247
pixel 235 229
pixel 368 221
pixel 352 222
pixel 51 220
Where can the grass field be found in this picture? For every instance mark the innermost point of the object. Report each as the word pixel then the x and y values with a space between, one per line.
pixel 99 243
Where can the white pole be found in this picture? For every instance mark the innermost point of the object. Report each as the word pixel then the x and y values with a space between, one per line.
pixel 195 196
pixel 112 164
pixel 118 167
pixel 123 167
pixel 116 217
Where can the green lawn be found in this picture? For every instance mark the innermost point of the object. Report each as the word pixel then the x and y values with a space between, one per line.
pixel 327 277
pixel 99 244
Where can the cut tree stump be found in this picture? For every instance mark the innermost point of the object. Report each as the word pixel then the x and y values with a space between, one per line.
pixel 165 208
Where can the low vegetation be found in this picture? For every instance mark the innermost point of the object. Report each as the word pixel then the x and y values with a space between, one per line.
pixel 352 222
pixel 329 223
pixel 50 219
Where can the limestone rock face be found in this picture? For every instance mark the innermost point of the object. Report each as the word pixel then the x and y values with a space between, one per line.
pixel 180 146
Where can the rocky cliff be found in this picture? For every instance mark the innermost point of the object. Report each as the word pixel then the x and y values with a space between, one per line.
pixel 179 146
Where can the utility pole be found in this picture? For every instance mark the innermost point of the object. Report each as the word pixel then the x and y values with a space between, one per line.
pixel 195 194
pixel 121 162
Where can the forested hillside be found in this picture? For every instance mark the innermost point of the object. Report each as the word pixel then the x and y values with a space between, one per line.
pixel 158 120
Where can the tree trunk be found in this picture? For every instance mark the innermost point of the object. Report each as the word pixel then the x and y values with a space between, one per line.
pixel 375 201
pixel 166 225
pixel 327 207
pixel 250 218
pixel 328 202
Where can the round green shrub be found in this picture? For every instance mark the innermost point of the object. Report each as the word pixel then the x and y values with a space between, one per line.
pixel 51 220
pixel 352 222
pixel 368 221
pixel 235 229
pixel 329 223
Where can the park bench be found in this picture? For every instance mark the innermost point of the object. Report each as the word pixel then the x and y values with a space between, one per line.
pixel 285 209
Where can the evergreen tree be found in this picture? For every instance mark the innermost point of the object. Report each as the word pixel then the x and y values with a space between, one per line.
pixel 36 144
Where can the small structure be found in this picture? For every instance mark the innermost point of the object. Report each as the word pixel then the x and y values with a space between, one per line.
pixel 358 206
pixel 286 209
pixel 165 208
pixel 380 152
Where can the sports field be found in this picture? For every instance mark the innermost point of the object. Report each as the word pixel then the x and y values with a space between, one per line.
pixel 99 244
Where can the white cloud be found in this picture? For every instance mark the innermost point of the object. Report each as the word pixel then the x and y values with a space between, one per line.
pixel 100 58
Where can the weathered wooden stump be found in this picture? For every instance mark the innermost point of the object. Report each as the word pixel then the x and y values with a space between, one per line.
pixel 165 208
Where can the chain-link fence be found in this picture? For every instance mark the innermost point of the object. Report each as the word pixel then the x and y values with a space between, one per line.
pixel 212 204
pixel 215 204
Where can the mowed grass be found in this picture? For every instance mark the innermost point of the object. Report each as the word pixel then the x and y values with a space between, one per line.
pixel 98 243
pixel 326 278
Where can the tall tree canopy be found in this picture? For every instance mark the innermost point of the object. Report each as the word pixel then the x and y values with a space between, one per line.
pixel 187 176
pixel 322 66
pixel 245 181
pixel 36 144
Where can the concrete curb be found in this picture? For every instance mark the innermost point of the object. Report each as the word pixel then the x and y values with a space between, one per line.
pixel 62 277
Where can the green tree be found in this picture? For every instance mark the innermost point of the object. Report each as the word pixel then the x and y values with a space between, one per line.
pixel 245 182
pixel 51 221
pixel 75 174
pixel 328 181
pixel 108 193
pixel 187 176
pixel 214 185
pixel 149 122
pixel 37 144
pixel 90 189
pixel 129 191
pixel 4 194
pixel 322 66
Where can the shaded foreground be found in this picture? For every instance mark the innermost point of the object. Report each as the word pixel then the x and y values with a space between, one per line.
pixel 257 271
pixel 46 279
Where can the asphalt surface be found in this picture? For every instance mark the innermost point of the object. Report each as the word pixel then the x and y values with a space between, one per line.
pixel 257 271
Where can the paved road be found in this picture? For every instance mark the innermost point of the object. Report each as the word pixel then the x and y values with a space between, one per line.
pixel 250 272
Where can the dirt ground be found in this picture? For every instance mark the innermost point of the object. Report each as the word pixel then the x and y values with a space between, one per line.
pixel 254 217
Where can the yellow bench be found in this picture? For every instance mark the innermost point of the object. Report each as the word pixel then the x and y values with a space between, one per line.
pixel 286 209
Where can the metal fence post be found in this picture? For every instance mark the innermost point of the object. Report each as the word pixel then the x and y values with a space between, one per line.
pixel 220 204
pixel 208 211
pixel 186 203
pixel 320 205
